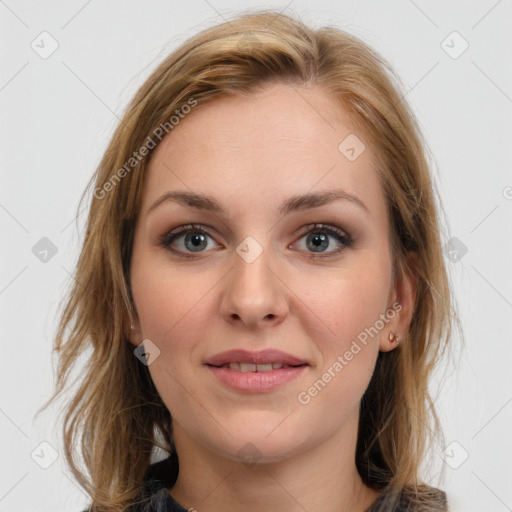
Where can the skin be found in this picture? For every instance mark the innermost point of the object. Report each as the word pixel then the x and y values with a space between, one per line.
pixel 251 155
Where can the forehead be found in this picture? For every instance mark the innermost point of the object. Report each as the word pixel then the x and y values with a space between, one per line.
pixel 279 142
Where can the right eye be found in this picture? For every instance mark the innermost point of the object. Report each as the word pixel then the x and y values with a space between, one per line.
pixel 194 240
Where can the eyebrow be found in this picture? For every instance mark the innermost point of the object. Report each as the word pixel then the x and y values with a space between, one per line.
pixel 294 203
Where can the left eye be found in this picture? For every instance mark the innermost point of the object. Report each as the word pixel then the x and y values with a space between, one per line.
pixel 194 239
pixel 318 238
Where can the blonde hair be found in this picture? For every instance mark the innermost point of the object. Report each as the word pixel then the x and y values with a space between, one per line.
pixel 116 417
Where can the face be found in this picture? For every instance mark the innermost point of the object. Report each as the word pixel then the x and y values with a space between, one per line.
pixel 310 278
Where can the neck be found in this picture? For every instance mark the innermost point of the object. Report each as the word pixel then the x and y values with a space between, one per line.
pixel 322 478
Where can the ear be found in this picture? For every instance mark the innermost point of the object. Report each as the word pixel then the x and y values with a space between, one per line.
pixel 132 330
pixel 402 299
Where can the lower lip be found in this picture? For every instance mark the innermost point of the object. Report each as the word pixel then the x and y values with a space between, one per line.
pixel 256 382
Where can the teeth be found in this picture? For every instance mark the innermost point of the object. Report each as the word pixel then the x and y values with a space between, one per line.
pixel 247 367
pixel 264 367
pixel 250 367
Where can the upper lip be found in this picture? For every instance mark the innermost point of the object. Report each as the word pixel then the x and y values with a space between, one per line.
pixel 254 357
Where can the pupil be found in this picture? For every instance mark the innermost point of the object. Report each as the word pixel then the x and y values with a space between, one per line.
pixel 198 241
pixel 319 240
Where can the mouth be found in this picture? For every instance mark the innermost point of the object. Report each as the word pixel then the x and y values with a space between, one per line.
pixel 256 368
pixel 256 371
pixel 246 361
pixel 250 371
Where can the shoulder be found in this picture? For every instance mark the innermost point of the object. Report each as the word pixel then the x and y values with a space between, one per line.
pixel 158 478
pixel 164 471
pixel 154 496
pixel 423 498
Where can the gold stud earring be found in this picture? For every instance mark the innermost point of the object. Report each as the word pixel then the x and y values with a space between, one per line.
pixel 393 337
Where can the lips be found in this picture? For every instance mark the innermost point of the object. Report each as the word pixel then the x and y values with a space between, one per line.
pixel 255 361
pixel 250 367
pixel 252 372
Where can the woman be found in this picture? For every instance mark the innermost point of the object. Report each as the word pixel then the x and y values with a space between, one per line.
pixel 261 290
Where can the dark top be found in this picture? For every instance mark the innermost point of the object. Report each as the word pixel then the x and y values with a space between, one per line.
pixel 159 477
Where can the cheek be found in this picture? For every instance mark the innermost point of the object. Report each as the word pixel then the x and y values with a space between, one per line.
pixel 175 313
pixel 345 304
pixel 347 353
pixel 167 297
pixel 346 328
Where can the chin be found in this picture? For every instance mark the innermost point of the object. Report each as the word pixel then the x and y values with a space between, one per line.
pixel 260 451
pixel 256 446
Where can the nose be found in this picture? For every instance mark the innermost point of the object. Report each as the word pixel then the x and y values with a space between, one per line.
pixel 254 295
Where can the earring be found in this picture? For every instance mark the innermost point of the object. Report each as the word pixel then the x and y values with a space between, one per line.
pixel 132 327
pixel 393 337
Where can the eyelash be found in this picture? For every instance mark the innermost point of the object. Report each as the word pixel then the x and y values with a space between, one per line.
pixel 341 236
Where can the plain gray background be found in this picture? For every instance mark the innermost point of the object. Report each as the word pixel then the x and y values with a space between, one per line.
pixel 58 112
